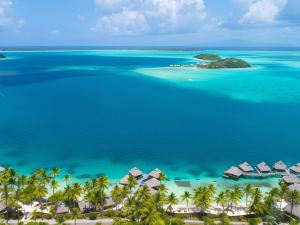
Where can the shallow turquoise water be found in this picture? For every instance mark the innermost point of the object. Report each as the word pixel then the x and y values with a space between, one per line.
pixel 103 112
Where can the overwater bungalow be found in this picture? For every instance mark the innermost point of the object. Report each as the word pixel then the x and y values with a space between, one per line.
pixel 61 208
pixel 155 173
pixel 290 179
pixel 136 173
pixel 279 167
pixel 233 172
pixel 246 167
pixel 295 169
pixel 263 167
pixel 153 183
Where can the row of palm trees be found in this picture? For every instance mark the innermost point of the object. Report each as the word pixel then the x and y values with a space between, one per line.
pixel 135 203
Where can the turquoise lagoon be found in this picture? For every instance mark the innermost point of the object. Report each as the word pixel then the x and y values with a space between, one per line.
pixel 103 112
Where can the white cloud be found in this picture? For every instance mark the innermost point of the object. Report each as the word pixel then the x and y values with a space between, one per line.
pixel 6 19
pixel 263 12
pixel 125 22
pixel 154 16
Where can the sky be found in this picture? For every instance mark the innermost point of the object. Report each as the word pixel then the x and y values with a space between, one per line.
pixel 148 22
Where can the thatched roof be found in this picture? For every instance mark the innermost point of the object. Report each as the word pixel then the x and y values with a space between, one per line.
pixel 280 166
pixel 152 183
pixel 61 208
pixel 124 180
pixel 263 167
pixel 234 172
pixel 2 207
pixel 296 210
pixel 155 173
pixel 135 172
pixel 1 169
pixel 109 202
pixel 246 167
pixel 291 179
pixel 85 205
pixel 295 168
pixel 295 186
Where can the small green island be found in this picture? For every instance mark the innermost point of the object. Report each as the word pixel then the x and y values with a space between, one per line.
pixel 219 63
pixel 207 57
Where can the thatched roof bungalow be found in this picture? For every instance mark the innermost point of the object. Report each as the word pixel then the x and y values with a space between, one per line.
pixel 124 180
pixel 290 179
pixel 109 203
pixel 155 173
pixel 295 169
pixel 153 183
pixel 2 169
pixel 280 167
pixel 86 206
pixel 295 212
pixel 61 208
pixel 263 167
pixel 136 172
pixel 246 167
pixel 233 172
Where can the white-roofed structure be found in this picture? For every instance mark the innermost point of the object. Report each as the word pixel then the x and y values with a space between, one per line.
pixel 153 183
pixel 263 167
pixel 233 172
pixel 295 169
pixel 291 179
pixel 155 173
pixel 136 172
pixel 124 180
pixel 61 208
pixel 280 167
pixel 246 167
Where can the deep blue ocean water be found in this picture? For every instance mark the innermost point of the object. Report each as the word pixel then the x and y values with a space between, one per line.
pixel 103 112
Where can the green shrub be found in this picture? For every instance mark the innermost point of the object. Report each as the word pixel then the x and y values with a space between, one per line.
pixel 98 223
pixel 93 216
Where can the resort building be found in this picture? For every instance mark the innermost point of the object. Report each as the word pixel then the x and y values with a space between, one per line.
pixel 153 183
pixel 280 167
pixel 1 169
pixel 295 186
pixel 136 173
pixel 85 206
pixel 290 179
pixel 124 180
pixel 246 167
pixel 263 167
pixel 109 203
pixel 295 212
pixel 233 172
pixel 155 173
pixel 2 207
pixel 295 169
pixel 61 208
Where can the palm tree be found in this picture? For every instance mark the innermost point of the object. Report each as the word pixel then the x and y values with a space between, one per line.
pixel 222 200
pixel 76 192
pixel 257 206
pixel 116 194
pixel 103 183
pixel 171 201
pixel 40 192
pixel 150 216
pixel 162 177
pixel 248 189
pixel 282 193
pixel 202 198
pixel 235 196
pixel 211 189
pixel 67 178
pixel 75 214
pixel 54 185
pixel 55 172
pixel 5 191
pixel 186 197
pixel 132 182
pixel 293 198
